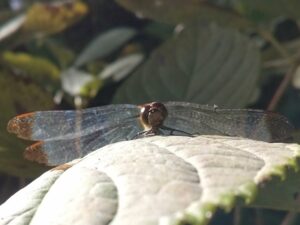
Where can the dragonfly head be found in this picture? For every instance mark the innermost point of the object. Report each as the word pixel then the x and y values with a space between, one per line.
pixel 153 115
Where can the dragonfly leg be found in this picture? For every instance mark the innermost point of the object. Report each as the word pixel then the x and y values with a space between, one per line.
pixel 145 133
pixel 172 130
pixel 138 134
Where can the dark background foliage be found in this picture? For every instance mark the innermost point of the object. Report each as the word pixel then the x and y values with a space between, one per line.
pixel 64 56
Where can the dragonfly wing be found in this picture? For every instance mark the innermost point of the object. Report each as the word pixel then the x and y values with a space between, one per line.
pixel 57 125
pixel 202 119
pixel 56 152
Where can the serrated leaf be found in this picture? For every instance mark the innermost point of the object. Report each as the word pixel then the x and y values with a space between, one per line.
pixel 157 180
pixel 104 44
pixel 177 11
pixel 204 64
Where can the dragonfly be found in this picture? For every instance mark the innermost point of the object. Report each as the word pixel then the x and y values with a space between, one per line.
pixel 62 136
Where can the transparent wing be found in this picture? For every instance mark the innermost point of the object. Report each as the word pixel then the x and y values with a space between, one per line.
pixel 58 125
pixel 56 152
pixel 201 119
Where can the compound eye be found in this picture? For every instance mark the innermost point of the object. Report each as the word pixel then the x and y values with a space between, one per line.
pixel 152 110
pixel 153 114
pixel 144 113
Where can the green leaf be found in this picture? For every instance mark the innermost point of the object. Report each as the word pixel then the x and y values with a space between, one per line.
pixel 203 64
pixel 104 44
pixel 184 179
pixel 37 68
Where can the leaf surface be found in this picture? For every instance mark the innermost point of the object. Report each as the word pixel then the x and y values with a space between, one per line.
pixel 159 180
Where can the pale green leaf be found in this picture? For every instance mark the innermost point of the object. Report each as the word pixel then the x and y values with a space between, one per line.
pixel 160 180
